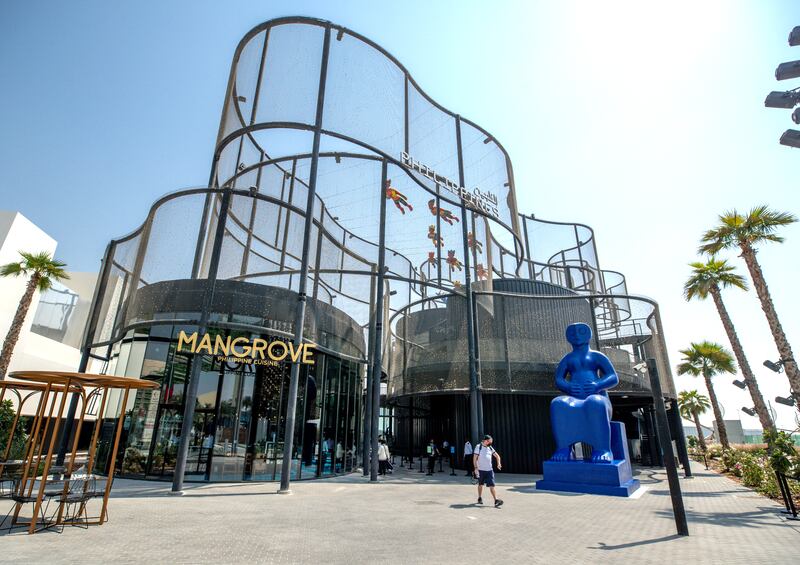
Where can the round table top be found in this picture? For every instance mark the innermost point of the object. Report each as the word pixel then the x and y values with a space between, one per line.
pixel 33 386
pixel 83 379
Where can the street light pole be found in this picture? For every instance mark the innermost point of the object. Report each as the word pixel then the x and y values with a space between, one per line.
pixel 662 423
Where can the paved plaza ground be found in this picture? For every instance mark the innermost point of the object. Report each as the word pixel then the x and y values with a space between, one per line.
pixel 411 518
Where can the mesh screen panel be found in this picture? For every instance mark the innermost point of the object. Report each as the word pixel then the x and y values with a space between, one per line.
pixel 264 156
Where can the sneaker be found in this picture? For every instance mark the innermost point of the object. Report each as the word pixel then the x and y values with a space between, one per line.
pixel 480 500
pixel 498 503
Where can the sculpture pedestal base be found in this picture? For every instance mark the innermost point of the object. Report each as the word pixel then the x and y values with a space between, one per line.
pixel 612 479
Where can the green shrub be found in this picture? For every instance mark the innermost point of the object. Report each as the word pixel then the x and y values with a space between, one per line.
pixel 691 441
pixel 714 451
pixel 756 467
pixel 752 471
pixel 7 414
pixel 729 459
pixel 784 456
pixel 769 483
pixel 133 463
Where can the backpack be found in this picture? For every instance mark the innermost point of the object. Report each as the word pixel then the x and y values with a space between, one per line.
pixel 490 448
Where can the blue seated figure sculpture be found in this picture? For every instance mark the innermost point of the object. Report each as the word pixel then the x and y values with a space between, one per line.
pixel 583 415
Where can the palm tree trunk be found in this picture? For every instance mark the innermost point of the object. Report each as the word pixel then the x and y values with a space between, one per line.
pixel 16 325
pixel 785 350
pixel 723 433
pixel 700 439
pixel 744 365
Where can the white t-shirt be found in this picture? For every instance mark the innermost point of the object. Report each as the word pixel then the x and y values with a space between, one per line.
pixel 484 457
pixel 468 448
pixel 383 452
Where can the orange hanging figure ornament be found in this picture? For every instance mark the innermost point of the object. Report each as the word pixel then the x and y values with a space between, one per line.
pixel 432 257
pixel 452 261
pixel 400 200
pixel 481 271
pixel 473 243
pixel 445 215
pixel 434 237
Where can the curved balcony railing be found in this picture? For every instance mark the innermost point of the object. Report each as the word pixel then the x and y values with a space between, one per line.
pixel 520 342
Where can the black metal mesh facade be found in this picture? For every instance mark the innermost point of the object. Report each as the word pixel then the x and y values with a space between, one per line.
pixel 314 107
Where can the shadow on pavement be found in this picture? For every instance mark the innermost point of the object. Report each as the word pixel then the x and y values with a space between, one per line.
pixel 763 516
pixel 606 547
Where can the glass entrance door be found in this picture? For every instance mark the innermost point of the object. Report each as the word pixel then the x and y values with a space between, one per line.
pixel 164 449
pixel 231 437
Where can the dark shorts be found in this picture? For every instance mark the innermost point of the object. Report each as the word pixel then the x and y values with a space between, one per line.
pixel 486 478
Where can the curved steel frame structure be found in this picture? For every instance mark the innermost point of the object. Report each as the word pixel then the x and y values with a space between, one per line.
pixel 327 156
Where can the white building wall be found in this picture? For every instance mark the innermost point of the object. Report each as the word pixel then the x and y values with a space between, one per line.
pixel 18 233
pixel 34 351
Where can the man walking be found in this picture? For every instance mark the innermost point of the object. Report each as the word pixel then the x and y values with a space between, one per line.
pixel 468 458
pixel 482 459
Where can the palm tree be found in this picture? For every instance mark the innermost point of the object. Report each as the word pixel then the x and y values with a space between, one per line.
pixel 746 232
pixel 44 271
pixel 709 359
pixel 692 404
pixel 710 278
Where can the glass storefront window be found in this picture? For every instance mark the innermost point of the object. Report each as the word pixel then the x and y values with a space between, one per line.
pixel 164 449
pixel 238 430
pixel 311 420
pixel 330 448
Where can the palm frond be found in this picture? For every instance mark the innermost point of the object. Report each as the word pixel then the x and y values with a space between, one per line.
pixel 737 230
pixel 690 402
pixel 12 270
pixel 712 273
pixel 706 358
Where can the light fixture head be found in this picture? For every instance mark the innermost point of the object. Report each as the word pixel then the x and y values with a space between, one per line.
pixel 785 100
pixel 785 401
pixel 741 384
pixel 796 116
pixel 640 367
pixel 788 70
pixel 748 411
pixel 790 138
pixel 794 37
pixel 776 366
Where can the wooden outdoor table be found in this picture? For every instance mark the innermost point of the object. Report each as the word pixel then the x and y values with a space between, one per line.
pixel 86 385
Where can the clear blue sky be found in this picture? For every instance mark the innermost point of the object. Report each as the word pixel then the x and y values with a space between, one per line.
pixel 642 121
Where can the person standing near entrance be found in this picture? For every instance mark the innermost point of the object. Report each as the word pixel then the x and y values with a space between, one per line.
pixel 468 458
pixel 383 456
pixel 433 452
pixel 482 459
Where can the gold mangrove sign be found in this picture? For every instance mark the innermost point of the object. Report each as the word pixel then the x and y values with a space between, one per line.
pixel 241 349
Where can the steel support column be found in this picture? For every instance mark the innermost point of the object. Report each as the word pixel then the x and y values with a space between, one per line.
pixel 197 359
pixel 86 351
pixel 367 437
pixel 300 313
pixel 476 425
pixel 377 354
pixel 665 443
